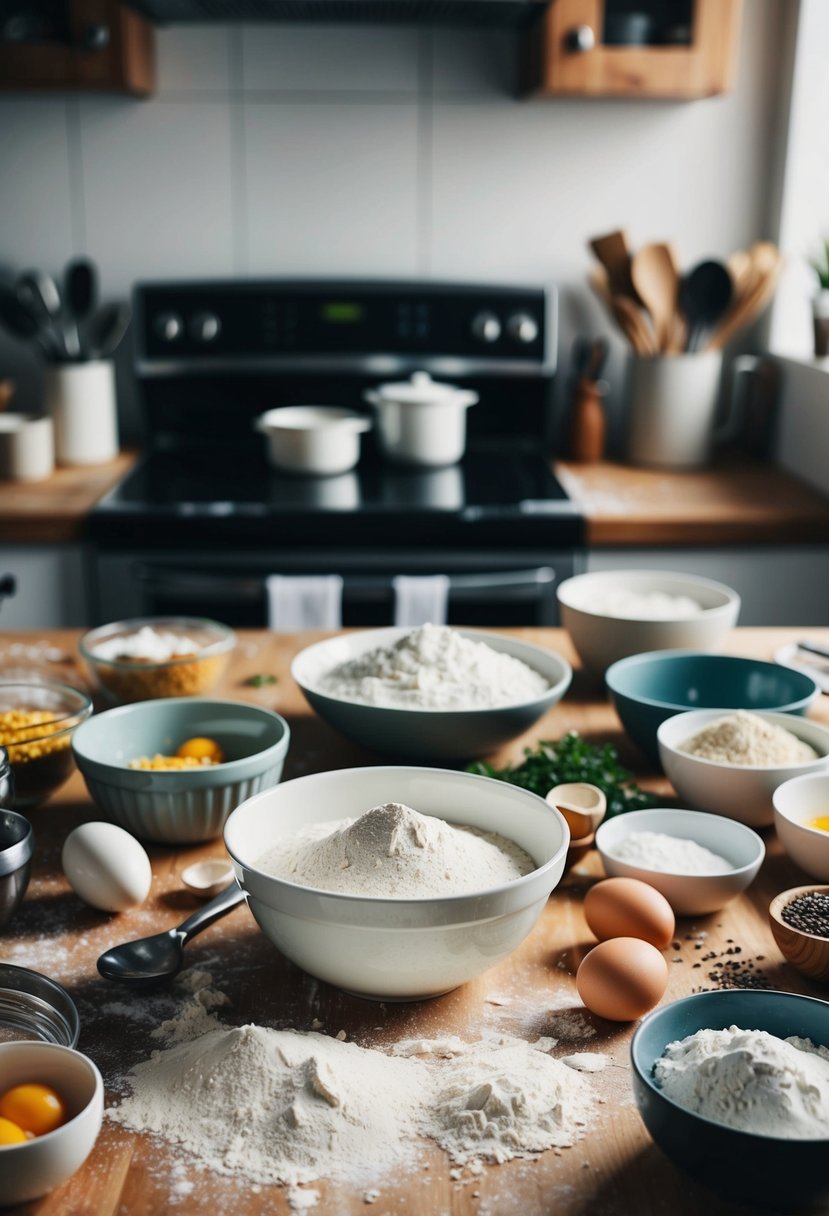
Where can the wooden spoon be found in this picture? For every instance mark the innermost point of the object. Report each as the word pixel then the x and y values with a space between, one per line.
pixel 634 325
pixel 766 267
pixel 654 275
pixel 613 252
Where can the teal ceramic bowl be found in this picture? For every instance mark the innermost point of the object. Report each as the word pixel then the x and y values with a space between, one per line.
pixel 646 689
pixel 186 805
pixel 762 1171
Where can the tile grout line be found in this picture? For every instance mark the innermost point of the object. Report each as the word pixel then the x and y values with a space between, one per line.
pixel 240 244
pixel 77 185
pixel 424 154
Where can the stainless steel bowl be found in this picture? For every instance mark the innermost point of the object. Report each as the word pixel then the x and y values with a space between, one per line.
pixel 16 847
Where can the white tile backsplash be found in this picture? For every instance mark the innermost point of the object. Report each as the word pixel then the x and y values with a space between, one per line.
pixel 35 200
pixel 326 58
pixel 192 59
pixel 331 189
pixel 157 186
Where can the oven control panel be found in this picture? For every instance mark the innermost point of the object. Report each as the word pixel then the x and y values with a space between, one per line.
pixel 290 320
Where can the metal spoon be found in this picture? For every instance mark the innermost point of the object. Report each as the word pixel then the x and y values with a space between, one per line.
pixel 152 959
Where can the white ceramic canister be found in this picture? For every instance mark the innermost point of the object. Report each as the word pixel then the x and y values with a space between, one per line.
pixel 420 421
pixel 27 447
pixel 318 439
pixel 81 400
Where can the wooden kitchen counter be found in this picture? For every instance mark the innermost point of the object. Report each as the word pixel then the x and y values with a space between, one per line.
pixel 55 510
pixel 735 501
pixel 615 1170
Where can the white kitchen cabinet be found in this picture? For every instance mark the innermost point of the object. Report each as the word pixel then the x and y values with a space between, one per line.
pixel 51 587
pixel 778 585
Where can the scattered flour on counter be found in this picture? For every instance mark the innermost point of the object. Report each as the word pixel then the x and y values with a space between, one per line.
pixel 435 667
pixel 668 854
pixel 291 1107
pixel 394 852
pixel 586 1061
pixel 750 1080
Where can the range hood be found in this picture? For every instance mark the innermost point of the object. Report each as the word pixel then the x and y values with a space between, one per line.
pixel 504 13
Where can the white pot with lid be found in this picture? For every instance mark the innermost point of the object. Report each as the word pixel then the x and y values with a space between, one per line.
pixel 421 421
pixel 318 439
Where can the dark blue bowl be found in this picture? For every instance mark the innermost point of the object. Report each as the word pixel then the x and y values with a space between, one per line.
pixel 762 1170
pixel 648 688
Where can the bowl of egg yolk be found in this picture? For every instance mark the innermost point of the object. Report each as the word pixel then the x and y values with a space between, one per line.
pixel 51 1108
pixel 172 770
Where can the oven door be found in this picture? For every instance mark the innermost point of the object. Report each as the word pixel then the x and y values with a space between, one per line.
pixel 493 588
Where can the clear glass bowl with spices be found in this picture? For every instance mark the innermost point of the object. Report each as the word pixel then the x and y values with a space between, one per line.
pixel 37 721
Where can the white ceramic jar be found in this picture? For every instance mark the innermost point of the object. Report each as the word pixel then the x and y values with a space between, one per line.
pixel 319 439
pixel 81 399
pixel 420 421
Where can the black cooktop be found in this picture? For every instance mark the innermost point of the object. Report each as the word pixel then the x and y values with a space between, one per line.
pixel 495 495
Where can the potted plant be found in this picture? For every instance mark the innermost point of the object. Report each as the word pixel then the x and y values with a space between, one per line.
pixel 820 302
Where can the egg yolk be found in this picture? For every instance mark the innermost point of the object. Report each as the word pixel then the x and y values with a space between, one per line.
pixel 10 1133
pixel 821 822
pixel 34 1108
pixel 201 749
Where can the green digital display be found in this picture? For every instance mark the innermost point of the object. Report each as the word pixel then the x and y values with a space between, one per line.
pixel 342 312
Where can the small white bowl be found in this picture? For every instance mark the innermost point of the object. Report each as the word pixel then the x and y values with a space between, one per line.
pixel 795 802
pixel 30 1170
pixel 396 949
pixel 426 734
pixel 739 791
pixel 317 439
pixel 601 637
pixel 688 894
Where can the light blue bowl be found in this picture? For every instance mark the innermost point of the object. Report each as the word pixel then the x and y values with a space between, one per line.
pixel 187 805
pixel 646 689
pixel 763 1171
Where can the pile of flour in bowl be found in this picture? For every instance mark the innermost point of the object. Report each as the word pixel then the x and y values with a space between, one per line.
pixel 394 852
pixel 434 667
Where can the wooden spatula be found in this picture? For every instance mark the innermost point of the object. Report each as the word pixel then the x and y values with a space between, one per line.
pixel 613 252
pixel 654 274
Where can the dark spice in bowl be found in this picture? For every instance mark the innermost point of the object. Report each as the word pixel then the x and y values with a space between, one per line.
pixel 809 913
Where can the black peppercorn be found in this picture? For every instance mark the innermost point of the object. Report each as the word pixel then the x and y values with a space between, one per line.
pixel 809 913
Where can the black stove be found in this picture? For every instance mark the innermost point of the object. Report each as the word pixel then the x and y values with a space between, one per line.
pixel 204 509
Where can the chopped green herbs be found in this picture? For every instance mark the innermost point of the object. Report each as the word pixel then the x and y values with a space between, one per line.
pixel 260 680
pixel 572 758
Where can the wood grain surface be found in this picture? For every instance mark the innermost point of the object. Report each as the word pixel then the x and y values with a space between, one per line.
pixel 55 509
pixel 614 1170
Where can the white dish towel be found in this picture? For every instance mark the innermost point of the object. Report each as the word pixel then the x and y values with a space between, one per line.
pixel 420 599
pixel 304 601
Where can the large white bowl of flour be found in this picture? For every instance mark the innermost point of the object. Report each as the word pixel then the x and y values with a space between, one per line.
pixel 406 946
pixel 432 693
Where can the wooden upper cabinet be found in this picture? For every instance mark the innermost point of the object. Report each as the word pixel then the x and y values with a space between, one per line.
pixel 98 46
pixel 680 49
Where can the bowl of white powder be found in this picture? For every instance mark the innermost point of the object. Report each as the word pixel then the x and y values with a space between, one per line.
pixel 730 762
pixel 396 883
pixel 432 693
pixel 734 1088
pixel 610 614
pixel 699 862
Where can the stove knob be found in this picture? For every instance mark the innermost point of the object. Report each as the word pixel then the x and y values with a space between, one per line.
pixel 486 327
pixel 205 327
pixel 523 328
pixel 169 326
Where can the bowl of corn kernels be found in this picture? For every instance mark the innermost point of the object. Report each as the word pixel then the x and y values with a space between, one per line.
pixel 37 721
pixel 151 657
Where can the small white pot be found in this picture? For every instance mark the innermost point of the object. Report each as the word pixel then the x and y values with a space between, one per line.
pixel 318 439
pixel 81 400
pixel 420 421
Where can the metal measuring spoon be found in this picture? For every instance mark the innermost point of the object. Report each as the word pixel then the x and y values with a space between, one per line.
pixel 151 959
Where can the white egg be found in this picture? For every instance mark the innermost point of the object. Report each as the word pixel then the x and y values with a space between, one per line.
pixel 106 867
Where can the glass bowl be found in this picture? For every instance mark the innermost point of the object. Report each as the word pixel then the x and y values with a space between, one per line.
pixel 37 721
pixel 196 653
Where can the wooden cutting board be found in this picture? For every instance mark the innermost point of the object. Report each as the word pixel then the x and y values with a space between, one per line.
pixel 615 1170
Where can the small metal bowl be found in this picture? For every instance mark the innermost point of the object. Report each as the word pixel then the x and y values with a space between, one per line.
pixel 16 847
pixel 34 1007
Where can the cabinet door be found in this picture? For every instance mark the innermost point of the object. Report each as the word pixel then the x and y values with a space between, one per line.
pixel 94 45
pixel 566 54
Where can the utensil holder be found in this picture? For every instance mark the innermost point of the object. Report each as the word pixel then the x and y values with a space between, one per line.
pixel 81 400
pixel 672 408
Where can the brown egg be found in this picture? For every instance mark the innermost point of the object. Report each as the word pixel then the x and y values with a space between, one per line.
pixel 626 907
pixel 622 978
